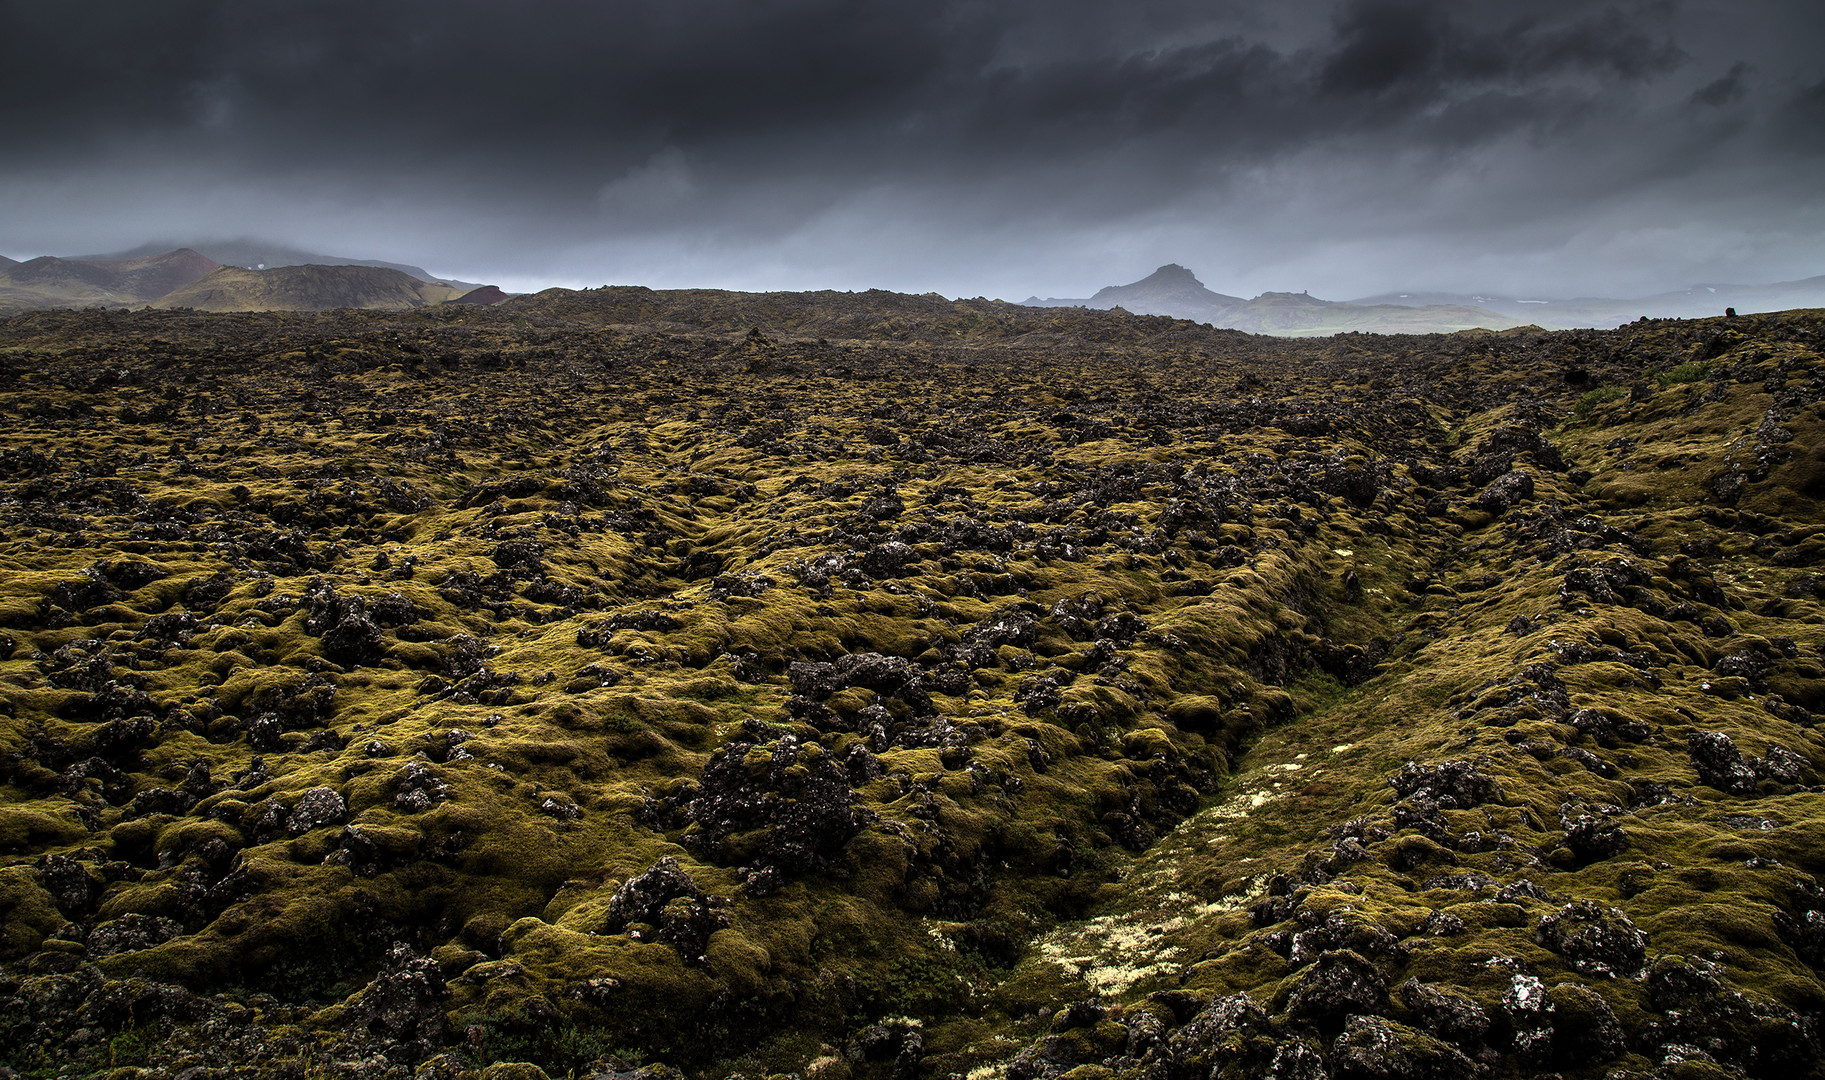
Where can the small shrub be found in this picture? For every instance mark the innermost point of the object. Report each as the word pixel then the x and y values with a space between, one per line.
pixel 132 1046
pixel 1689 372
pixel 1597 397
pixel 560 1049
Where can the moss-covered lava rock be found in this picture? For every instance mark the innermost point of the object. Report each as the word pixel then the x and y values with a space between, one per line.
pixel 868 686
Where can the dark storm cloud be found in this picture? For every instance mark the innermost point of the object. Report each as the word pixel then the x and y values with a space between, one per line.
pixel 365 84
pixel 1384 47
pixel 1727 90
pixel 1803 118
pixel 1400 71
pixel 818 127
pixel 458 80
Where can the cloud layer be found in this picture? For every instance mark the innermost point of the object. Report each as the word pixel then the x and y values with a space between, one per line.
pixel 969 147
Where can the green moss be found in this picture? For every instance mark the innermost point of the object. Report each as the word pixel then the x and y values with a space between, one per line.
pixel 1314 691
pixel 27 913
pixel 25 828
pixel 1110 844
pixel 1689 372
pixel 1593 398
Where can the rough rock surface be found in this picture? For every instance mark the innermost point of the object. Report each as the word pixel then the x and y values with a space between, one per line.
pixel 867 687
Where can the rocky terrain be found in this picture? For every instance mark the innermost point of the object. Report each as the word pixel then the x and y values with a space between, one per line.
pixel 874 687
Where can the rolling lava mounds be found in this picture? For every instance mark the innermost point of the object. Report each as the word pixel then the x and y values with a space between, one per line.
pixel 871 686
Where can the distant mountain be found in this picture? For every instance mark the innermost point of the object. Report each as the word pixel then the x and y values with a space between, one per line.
pixel 1699 301
pixel 484 296
pixel 151 276
pixel 50 282
pixel 308 288
pixel 1173 290
pixel 1299 315
pixel 1170 290
pixel 264 255
pixel 189 278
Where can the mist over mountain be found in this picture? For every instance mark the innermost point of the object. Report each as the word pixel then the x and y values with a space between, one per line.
pixel 238 275
pixel 51 282
pixel 1174 290
pixel 254 275
pixel 308 288
pixel 1170 290
pixel 256 254
pixel 1620 148
pixel 1697 302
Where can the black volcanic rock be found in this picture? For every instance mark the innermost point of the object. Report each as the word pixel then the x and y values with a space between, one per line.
pixel 854 685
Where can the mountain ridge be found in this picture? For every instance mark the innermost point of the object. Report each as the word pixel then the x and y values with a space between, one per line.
pixel 185 277
pixel 1176 291
pixel 49 281
pixel 1697 301
pixel 307 288
pixel 255 254
pixel 1170 287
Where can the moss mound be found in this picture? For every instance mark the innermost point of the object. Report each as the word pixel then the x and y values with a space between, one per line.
pixel 874 686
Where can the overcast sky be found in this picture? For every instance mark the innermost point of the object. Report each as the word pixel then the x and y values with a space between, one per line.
pixel 980 147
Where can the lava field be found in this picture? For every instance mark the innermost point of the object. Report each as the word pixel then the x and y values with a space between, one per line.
pixel 877 687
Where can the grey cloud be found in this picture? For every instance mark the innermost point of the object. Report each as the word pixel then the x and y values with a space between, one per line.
pixel 613 84
pixel 1384 46
pixel 1803 118
pixel 831 136
pixel 1727 90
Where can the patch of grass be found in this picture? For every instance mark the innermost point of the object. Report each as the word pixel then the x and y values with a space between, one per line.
pixel 559 1050
pixel 132 1046
pixel 1690 372
pixel 1593 398
pixel 784 1053
pixel 1434 695
pixel 927 985
pixel 326 975
pixel 1315 691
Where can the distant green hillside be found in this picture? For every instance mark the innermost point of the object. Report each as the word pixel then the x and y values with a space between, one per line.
pixel 265 255
pixel 308 288
pixel 51 282
pixel 1298 315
